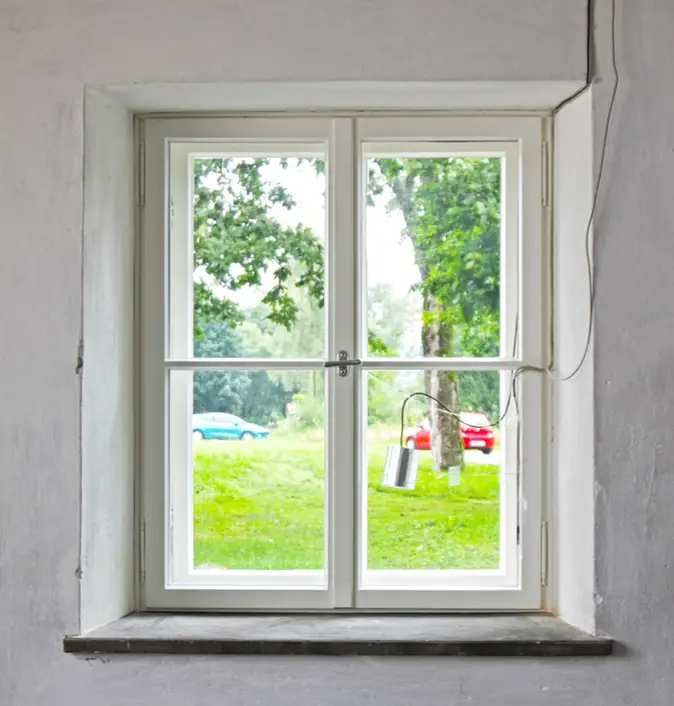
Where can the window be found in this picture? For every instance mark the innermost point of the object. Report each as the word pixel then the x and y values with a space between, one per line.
pixel 411 246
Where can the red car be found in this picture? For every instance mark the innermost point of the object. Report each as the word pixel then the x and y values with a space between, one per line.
pixel 475 430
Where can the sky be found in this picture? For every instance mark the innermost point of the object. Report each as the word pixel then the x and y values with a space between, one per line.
pixel 390 257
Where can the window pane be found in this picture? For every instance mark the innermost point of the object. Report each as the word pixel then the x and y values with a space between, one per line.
pixel 433 240
pixel 448 517
pixel 258 258
pixel 257 454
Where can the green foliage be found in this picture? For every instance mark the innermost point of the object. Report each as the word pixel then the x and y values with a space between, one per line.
pixel 237 242
pixel 266 398
pixel 452 212
pixel 309 411
pixel 480 393
pixel 219 391
pixel 391 319
pixel 305 338
pixel 383 399
pixel 376 346
pixel 451 208
pixel 253 395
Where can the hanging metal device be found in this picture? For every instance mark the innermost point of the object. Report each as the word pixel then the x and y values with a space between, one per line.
pixel 401 464
pixel 400 467
pixel 343 363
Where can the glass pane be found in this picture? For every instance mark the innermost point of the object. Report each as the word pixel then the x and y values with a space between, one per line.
pixel 433 241
pixel 258 258
pixel 448 515
pixel 258 469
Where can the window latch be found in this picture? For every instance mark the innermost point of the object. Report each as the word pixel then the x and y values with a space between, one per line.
pixel 343 363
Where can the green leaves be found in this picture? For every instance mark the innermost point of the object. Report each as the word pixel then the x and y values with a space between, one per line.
pixel 452 212
pixel 239 243
pixel 254 395
pixel 452 209
pixel 452 215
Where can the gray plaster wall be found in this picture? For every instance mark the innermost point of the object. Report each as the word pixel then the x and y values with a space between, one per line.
pixel 50 51
pixel 634 350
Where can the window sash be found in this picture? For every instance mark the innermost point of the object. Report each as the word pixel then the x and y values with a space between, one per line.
pixel 346 583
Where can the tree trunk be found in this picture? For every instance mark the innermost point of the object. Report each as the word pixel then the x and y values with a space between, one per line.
pixel 436 337
pixel 436 340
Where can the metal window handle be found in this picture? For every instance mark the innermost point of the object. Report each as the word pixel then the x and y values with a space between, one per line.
pixel 343 363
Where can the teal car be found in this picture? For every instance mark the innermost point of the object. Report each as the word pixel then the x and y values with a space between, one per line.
pixel 220 425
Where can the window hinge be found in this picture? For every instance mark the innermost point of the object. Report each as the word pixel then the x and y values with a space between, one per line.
pixel 545 173
pixel 141 541
pixel 141 174
pixel 545 553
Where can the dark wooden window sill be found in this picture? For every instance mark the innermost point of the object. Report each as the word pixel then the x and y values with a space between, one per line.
pixel 461 635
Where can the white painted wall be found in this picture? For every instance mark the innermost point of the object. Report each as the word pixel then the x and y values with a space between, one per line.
pixel 107 555
pixel 50 51
pixel 573 400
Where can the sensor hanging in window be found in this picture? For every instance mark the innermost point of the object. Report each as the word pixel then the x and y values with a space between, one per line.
pixel 402 463
pixel 400 467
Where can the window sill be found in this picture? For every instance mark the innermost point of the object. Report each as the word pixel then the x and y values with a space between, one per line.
pixel 536 635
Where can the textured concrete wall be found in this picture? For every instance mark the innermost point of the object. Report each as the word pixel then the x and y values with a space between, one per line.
pixel 634 350
pixel 49 51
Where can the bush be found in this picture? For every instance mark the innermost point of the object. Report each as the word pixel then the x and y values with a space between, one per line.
pixel 309 412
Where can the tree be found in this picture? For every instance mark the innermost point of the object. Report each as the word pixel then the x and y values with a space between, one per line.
pixel 253 395
pixel 451 208
pixel 266 399
pixel 237 242
pixel 480 392
pixel 263 338
pixel 391 319
pixel 260 338
pixel 223 390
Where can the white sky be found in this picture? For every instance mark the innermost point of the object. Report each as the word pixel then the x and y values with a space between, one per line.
pixel 390 258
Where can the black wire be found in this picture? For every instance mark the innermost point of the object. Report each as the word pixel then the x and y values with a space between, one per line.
pixel 456 415
pixel 589 63
pixel 595 200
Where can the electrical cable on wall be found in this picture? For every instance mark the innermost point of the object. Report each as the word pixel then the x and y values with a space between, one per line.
pixel 595 202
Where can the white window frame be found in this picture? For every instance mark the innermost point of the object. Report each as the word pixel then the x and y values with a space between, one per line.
pixel 346 584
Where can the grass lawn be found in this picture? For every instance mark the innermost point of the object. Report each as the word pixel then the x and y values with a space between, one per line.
pixel 259 505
